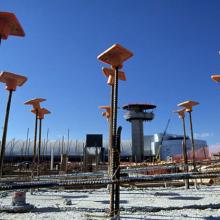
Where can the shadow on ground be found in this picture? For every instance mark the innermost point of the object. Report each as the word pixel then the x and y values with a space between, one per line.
pixel 166 194
pixel 107 201
pixel 185 198
pixel 46 209
pixel 74 197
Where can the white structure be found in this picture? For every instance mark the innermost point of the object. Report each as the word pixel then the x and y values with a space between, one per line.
pixel 169 147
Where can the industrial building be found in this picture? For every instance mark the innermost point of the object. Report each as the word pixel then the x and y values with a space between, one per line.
pixel 169 147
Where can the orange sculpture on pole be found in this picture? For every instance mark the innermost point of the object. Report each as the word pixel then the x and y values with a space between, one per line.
pixel 40 116
pixel 116 55
pixel 188 108
pixel 36 105
pixel 35 102
pixel 181 114
pixel 12 81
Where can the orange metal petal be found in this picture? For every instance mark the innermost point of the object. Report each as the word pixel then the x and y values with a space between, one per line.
pixel 35 102
pixel 108 72
pixel 181 112
pixel 9 25
pixel 104 107
pixel 12 80
pixel 188 105
pixel 41 112
pixel 216 78
pixel 116 55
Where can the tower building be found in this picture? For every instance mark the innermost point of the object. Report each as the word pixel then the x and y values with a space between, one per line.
pixel 136 114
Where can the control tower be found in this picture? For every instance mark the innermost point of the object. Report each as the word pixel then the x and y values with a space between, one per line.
pixel 136 114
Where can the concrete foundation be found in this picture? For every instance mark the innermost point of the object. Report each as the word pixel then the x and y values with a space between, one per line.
pixel 19 198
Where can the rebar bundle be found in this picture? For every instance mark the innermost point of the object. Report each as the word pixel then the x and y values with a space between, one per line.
pixel 105 181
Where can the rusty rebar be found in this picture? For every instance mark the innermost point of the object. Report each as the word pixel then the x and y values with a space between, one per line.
pixel 117 185
pixel 114 140
pixel 39 146
pixel 185 158
pixel 35 136
pixel 192 141
pixel 106 181
pixel 111 186
pixel 5 129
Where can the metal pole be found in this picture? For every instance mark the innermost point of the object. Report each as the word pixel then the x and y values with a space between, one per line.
pixel 26 145
pixel 4 136
pixel 43 150
pixel 84 157
pixel 46 144
pixel 39 144
pixel 185 158
pixel 192 141
pixel 111 187
pixel 51 157
pixel 35 136
pixel 110 128
pixel 117 185
pixel 63 145
pixel 68 141
pixel 29 142
pixel 114 131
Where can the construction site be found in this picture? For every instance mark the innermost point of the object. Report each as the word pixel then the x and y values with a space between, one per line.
pixel 153 175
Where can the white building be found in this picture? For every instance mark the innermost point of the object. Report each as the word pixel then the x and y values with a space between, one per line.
pixel 169 147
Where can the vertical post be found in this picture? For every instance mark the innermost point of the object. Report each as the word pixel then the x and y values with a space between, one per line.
pixel 114 132
pixel 96 158
pixel 117 185
pixel 39 144
pixel 110 129
pixel 84 157
pixel 111 187
pixel 192 141
pixel 26 145
pixel 35 136
pixel 4 136
pixel 46 144
pixel 68 141
pixel 29 143
pixel 63 145
pixel 52 157
pixel 185 158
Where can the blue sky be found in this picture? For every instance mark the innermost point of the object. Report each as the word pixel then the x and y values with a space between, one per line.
pixel 175 45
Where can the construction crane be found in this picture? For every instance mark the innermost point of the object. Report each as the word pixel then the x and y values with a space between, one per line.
pixel 157 157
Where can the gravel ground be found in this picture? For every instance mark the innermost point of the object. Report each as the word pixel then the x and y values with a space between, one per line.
pixel 148 203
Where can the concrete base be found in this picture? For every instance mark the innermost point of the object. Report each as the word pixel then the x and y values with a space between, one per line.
pixel 18 205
